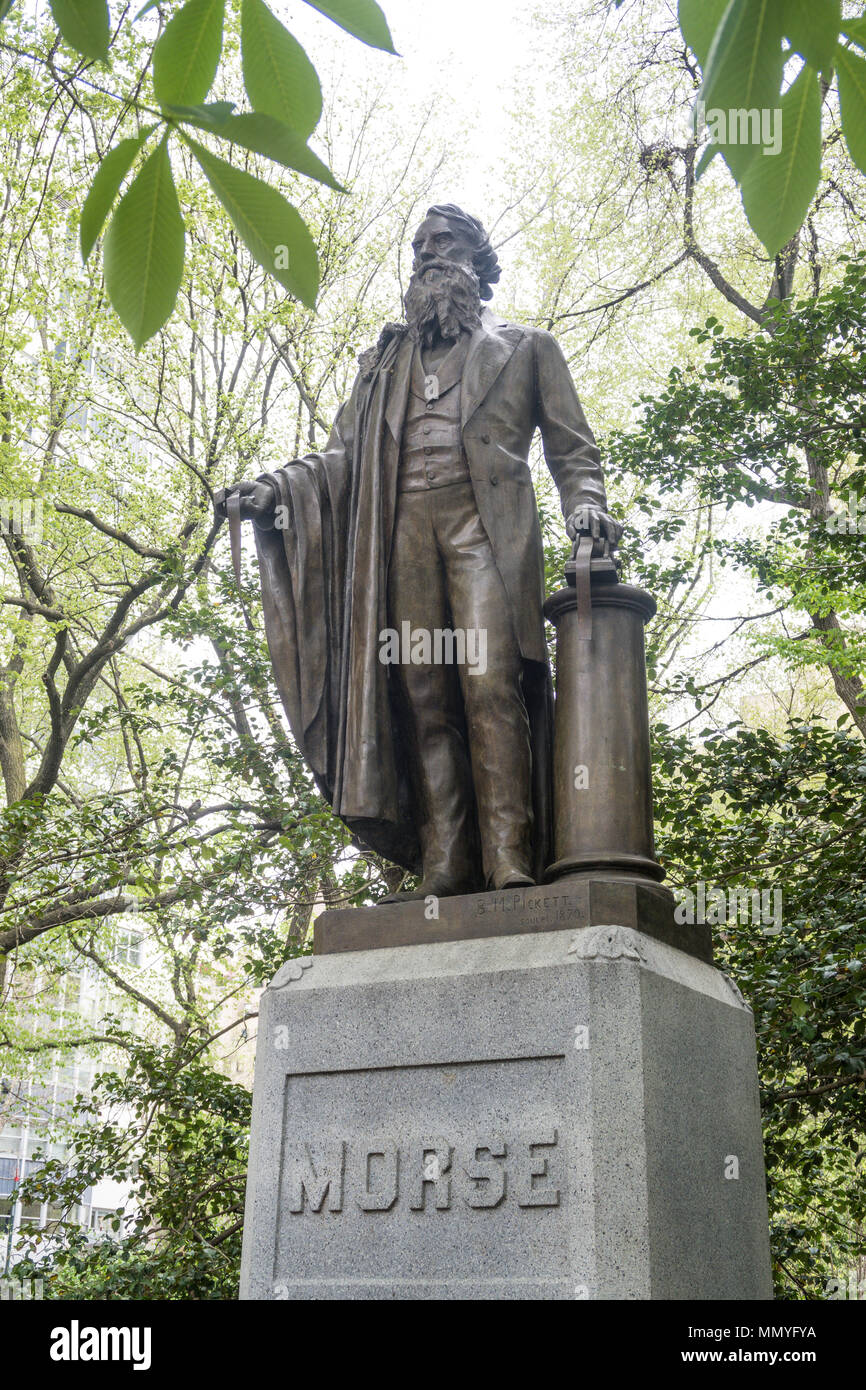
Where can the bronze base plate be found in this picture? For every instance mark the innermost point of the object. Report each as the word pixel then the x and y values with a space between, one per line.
pixel 583 900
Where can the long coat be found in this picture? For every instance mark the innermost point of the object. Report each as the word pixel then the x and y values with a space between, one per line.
pixel 324 573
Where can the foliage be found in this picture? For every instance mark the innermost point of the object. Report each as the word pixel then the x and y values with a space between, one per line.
pixel 766 430
pixel 744 807
pixel 744 48
pixel 181 1151
pixel 162 100
pixel 773 419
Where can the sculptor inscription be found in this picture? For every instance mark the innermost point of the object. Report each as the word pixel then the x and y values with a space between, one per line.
pixel 533 909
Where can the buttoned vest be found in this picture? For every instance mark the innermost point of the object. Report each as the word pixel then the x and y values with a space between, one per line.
pixel 431 450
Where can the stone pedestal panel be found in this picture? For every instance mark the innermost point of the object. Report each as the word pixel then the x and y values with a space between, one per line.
pixel 570 1114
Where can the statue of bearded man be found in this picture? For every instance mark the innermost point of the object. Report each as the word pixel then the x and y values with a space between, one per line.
pixel 403 579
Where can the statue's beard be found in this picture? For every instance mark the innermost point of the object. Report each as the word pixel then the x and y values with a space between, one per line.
pixel 442 300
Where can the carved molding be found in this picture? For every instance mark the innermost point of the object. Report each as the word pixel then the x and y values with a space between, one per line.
pixel 607 943
pixel 290 971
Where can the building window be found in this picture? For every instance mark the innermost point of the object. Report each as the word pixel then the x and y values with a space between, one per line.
pixel 127 947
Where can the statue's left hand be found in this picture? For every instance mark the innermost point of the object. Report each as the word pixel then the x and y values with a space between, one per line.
pixel 595 522
pixel 257 500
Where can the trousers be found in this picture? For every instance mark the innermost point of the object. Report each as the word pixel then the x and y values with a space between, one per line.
pixel 467 730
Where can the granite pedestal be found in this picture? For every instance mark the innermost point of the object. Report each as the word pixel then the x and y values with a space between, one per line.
pixel 568 1113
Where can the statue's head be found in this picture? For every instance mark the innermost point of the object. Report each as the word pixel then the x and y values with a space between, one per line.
pixel 453 269
pixel 450 234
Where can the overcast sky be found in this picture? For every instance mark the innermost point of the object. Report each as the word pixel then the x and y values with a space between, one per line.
pixel 473 54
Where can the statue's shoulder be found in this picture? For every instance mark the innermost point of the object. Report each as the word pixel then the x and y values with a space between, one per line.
pixel 533 334
pixel 392 335
pixel 544 345
pixel 515 331
pixel 495 323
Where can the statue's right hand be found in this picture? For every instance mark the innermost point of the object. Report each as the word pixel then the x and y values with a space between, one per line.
pixel 257 500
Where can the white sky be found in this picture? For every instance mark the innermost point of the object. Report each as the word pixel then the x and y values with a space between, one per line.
pixel 474 54
pixel 475 51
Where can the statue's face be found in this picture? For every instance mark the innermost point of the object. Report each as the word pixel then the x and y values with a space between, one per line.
pixel 440 238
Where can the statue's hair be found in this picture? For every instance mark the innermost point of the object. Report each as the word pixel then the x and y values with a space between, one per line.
pixel 484 260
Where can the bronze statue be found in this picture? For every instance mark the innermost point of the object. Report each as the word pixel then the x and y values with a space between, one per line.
pixel 403 580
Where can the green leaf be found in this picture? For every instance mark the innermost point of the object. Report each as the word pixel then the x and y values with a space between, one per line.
pixel 5 7
pixel 187 53
pixel 743 72
pixel 279 78
pixel 84 25
pixel 777 189
pixel 363 18
pixel 276 141
pixel 813 28
pixel 272 229
pixel 208 117
pixel 260 133
pixel 856 30
pixel 144 249
pixel 699 20
pixel 744 67
pixel 105 187
pixel 852 96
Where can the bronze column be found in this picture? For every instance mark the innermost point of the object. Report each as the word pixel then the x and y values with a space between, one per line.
pixel 602 796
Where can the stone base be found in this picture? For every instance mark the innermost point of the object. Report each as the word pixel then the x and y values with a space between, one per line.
pixel 583 900
pixel 561 1114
